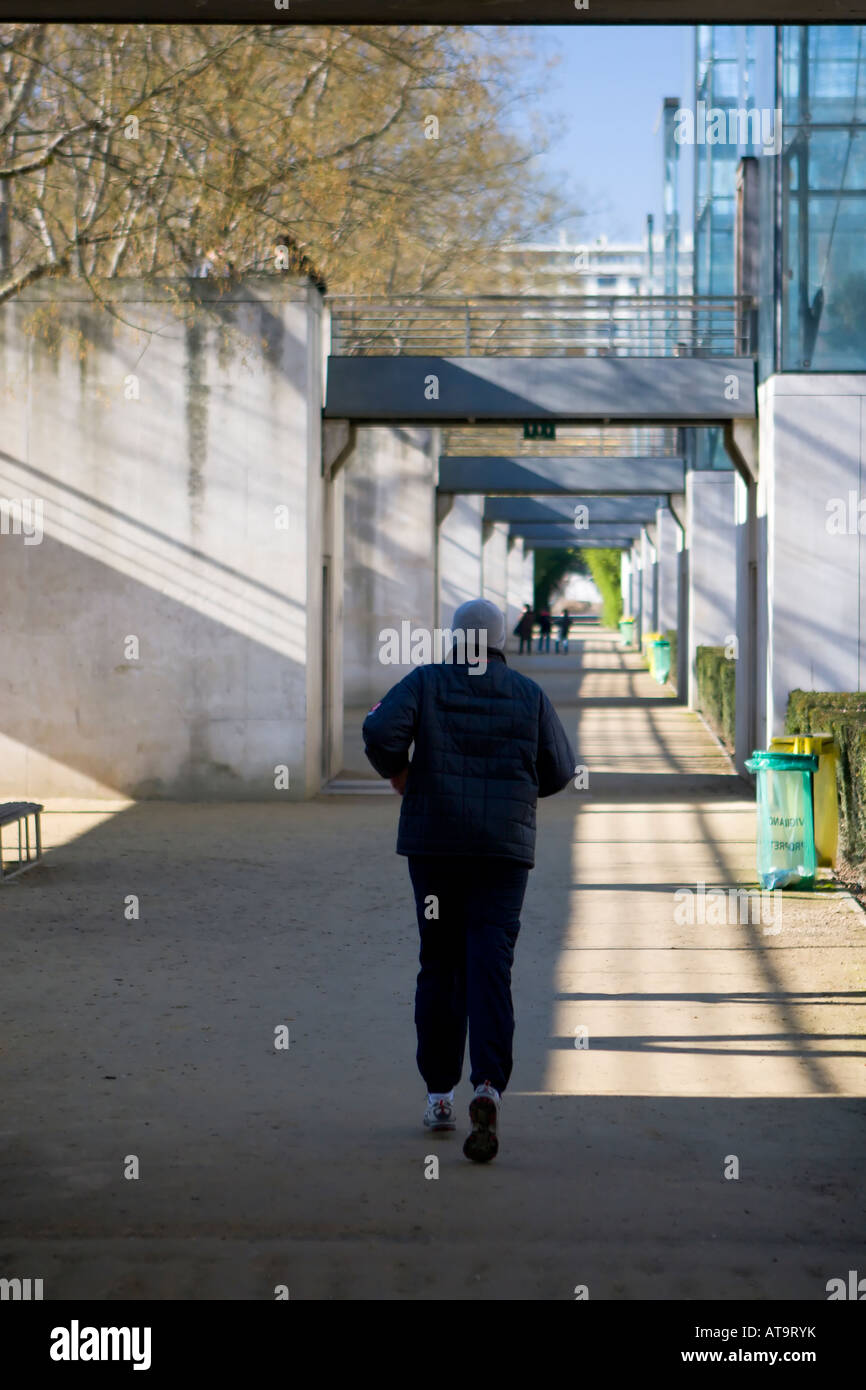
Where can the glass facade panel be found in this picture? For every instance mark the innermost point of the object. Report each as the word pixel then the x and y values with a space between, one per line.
pixel 824 199
pixel 822 74
pixel 725 67
pixel 812 195
pixel 767 169
pixel 725 70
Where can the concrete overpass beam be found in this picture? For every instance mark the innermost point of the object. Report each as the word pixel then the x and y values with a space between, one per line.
pixel 687 390
pixel 578 476
pixel 631 510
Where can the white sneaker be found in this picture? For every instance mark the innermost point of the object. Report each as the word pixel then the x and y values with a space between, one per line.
pixel 440 1115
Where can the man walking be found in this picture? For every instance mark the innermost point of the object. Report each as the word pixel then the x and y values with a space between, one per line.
pixel 524 629
pixel 487 743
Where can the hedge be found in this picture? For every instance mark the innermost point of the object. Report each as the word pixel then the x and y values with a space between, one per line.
pixel 717 675
pixel 842 714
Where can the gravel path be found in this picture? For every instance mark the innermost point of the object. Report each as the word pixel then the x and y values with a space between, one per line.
pixel 305 1166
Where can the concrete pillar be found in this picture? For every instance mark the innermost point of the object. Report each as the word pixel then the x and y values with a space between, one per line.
pixel 649 596
pixel 711 538
pixel 811 524
pixel 635 586
pixel 459 557
pixel 163 637
pixel 494 564
pixel 333 616
pixel 668 544
pixel 748 583
pixel 390 551
pixel 519 590
pixel 637 590
pixel 529 576
pixel 625 582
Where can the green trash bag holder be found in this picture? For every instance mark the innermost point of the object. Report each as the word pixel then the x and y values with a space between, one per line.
pixel 660 659
pixel 785 830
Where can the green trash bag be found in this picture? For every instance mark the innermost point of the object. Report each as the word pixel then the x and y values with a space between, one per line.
pixel 786 833
pixel 660 660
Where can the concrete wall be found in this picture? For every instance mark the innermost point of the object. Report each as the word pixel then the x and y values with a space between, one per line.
pixel 711 539
pixel 390 556
pixel 159 460
pixel 459 558
pixel 813 462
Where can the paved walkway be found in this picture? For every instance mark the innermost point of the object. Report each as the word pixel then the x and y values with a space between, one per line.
pixel 706 1043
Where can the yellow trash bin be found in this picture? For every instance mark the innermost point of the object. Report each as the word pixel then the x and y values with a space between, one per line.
pixel 825 803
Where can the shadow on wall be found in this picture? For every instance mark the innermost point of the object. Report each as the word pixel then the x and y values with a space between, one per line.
pixel 179 685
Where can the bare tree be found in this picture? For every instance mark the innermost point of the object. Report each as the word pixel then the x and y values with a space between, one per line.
pixel 382 159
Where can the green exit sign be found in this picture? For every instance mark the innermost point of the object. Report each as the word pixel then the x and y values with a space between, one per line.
pixel 539 429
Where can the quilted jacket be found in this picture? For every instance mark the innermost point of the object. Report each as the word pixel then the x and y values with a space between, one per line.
pixel 487 745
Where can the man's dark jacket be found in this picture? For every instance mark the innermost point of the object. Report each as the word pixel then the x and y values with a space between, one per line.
pixel 486 747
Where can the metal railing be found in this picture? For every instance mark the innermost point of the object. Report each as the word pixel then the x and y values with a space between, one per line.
pixel 543 326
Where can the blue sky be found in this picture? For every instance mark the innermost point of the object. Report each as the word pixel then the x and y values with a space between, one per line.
pixel 604 98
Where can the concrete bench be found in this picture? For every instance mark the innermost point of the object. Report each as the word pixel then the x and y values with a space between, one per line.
pixel 21 812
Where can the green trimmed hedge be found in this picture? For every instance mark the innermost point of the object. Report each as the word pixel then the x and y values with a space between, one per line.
pixel 717 675
pixel 842 714
pixel 671 635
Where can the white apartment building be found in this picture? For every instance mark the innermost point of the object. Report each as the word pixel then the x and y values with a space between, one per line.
pixel 596 267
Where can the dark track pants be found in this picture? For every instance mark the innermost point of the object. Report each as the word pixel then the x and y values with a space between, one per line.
pixel 466 957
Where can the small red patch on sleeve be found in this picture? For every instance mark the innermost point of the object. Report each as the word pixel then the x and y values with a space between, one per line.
pixel 376 706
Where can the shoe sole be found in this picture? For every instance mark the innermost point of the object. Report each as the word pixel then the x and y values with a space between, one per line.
pixel 482 1144
pixel 449 1127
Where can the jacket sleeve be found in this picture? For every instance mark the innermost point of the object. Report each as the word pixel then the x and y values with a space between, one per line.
pixel 390 727
pixel 556 760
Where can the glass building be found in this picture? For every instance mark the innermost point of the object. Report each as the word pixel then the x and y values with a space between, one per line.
pixel 820 201
pixel 812 185
pixel 724 83
pixel 724 87
pixel 811 181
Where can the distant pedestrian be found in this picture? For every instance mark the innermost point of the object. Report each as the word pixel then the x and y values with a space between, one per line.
pixel 524 628
pixel 563 628
pixel 486 745
pixel 544 636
